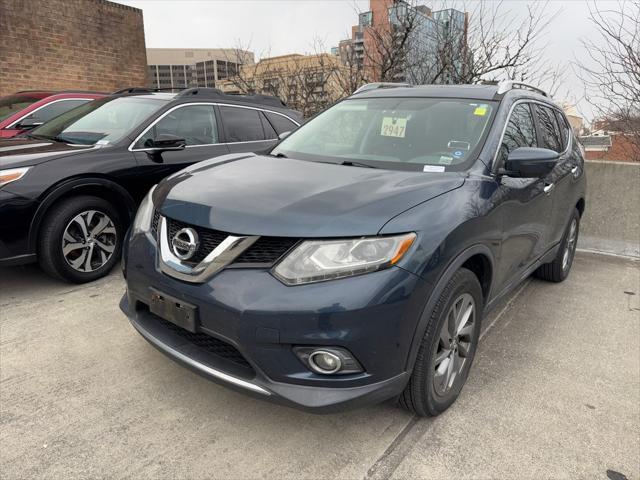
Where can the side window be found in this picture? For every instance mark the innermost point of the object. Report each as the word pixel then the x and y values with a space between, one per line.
pixel 242 124
pixel 549 129
pixel 195 123
pixel 269 132
pixel 52 110
pixel 520 131
pixel 280 123
pixel 565 130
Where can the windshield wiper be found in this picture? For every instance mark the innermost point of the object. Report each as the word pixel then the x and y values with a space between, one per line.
pixel 351 163
pixel 278 155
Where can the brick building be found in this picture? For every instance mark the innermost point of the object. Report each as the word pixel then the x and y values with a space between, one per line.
pixel 70 44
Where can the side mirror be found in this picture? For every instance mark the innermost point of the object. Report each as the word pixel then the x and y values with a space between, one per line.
pixel 284 135
pixel 29 123
pixel 165 142
pixel 530 162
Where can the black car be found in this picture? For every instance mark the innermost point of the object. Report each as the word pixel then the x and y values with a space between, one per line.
pixel 69 189
pixel 354 262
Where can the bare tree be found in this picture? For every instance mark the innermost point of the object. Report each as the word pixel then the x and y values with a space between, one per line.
pixel 489 42
pixel 308 83
pixel 612 76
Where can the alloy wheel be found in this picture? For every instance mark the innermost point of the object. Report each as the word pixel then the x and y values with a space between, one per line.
pixel 454 343
pixel 571 245
pixel 89 240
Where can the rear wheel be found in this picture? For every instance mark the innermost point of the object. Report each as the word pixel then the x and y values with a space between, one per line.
pixel 559 268
pixel 447 348
pixel 80 239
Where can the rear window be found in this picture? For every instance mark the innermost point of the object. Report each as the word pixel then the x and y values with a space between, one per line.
pixel 14 103
pixel 551 138
pixel 242 124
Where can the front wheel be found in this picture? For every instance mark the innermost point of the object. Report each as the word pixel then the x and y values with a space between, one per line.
pixel 80 239
pixel 447 348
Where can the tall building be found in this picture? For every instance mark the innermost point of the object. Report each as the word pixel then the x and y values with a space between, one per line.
pixel 70 44
pixel 434 49
pixel 193 67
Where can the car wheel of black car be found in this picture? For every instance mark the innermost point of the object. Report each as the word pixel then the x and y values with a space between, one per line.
pixel 448 347
pixel 559 269
pixel 80 239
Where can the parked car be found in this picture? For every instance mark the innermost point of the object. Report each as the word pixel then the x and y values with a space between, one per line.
pixel 23 111
pixel 355 261
pixel 69 190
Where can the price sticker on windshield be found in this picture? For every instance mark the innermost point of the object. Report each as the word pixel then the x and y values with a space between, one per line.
pixel 393 127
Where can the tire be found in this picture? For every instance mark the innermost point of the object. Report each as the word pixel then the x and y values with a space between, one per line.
pixel 62 229
pixel 558 270
pixel 428 393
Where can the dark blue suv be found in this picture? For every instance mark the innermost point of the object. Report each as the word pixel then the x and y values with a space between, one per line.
pixel 355 261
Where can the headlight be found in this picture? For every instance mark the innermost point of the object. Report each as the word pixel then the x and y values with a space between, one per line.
pixel 142 222
pixel 11 175
pixel 319 260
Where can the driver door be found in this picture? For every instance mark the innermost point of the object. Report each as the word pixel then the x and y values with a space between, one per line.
pixel 196 124
pixel 526 204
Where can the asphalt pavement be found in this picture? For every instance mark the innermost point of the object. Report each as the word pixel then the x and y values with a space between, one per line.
pixel 554 393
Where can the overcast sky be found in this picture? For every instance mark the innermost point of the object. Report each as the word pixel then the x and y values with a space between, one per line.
pixel 277 27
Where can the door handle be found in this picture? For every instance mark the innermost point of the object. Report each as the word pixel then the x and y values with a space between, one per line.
pixel 548 188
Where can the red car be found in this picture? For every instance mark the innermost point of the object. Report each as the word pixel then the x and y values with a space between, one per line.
pixel 25 110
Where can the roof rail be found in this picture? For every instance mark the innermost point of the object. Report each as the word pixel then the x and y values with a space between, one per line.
pixel 506 85
pixel 373 86
pixel 214 92
pixel 145 90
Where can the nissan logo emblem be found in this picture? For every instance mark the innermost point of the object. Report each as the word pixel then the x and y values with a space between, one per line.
pixel 185 243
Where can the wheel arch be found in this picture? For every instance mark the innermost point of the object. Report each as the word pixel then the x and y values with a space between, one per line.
pixel 100 187
pixel 478 259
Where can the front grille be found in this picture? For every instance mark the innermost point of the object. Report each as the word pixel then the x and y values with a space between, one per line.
pixel 206 342
pixel 265 251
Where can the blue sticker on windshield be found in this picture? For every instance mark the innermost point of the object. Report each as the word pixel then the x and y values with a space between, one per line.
pixel 458 153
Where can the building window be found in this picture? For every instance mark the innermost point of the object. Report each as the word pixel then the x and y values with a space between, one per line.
pixel 365 19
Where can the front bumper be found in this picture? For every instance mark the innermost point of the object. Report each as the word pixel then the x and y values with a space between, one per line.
pixel 374 316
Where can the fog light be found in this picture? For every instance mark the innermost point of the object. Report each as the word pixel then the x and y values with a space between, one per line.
pixel 324 362
pixel 328 360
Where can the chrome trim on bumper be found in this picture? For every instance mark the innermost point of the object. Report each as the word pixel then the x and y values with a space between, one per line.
pixel 197 365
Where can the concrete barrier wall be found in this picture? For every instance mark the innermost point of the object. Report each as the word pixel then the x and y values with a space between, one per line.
pixel 611 222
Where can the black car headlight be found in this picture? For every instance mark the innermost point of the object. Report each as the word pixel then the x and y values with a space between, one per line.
pixel 320 260
pixel 12 174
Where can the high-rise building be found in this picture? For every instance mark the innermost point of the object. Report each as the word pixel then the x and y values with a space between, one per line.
pixel 434 50
pixel 193 67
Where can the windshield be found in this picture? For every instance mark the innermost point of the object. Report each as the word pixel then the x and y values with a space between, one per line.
pixel 102 121
pixel 14 103
pixel 394 133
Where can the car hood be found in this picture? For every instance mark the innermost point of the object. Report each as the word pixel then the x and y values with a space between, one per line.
pixel 23 152
pixel 262 195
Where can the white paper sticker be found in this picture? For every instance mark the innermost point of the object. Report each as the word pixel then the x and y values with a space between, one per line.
pixel 393 127
pixel 433 168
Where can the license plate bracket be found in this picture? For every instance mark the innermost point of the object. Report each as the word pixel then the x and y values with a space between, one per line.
pixel 174 310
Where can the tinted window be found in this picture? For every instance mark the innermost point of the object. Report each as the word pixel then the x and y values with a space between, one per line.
pixel 195 123
pixel 269 132
pixel 52 110
pixel 14 103
pixel 565 130
pixel 520 131
pixel 280 123
pixel 242 124
pixel 549 129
